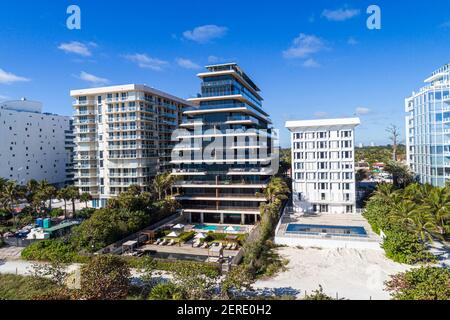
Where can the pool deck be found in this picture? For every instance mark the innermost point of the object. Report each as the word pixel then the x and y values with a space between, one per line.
pixel 186 249
pixel 372 240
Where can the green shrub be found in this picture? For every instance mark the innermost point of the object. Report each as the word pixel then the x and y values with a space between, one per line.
pixel 15 287
pixel 57 212
pixel 52 250
pixel 425 283
pixel 210 270
pixel 84 213
pixel 404 247
pixel 186 236
pixel 166 291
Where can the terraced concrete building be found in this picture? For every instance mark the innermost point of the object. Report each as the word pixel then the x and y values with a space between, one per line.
pixel 225 159
pixel 122 137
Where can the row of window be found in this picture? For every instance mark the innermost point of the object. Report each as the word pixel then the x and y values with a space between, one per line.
pixel 323 155
pixel 323 145
pixel 324 176
pixel 323 134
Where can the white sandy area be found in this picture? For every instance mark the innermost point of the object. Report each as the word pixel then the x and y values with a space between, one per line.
pixel 355 274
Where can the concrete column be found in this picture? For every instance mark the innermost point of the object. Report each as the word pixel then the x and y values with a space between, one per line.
pixel 202 218
pixel 221 218
pixel 242 218
pixel 190 217
pixel 256 218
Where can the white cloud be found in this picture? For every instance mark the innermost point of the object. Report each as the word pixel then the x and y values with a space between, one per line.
pixel 146 62
pixel 77 48
pixel 205 33
pixel 187 64
pixel 92 78
pixel 3 98
pixel 8 77
pixel 362 111
pixel 304 45
pixel 321 114
pixel 214 59
pixel 352 41
pixel 311 63
pixel 340 14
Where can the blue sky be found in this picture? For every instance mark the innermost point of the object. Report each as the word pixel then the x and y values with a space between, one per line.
pixel 311 59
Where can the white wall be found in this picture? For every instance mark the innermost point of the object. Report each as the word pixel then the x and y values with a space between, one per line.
pixel 327 243
pixel 32 146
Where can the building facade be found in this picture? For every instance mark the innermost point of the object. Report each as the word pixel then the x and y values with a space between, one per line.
pixel 122 137
pixel 323 165
pixel 428 129
pixel 224 158
pixel 33 143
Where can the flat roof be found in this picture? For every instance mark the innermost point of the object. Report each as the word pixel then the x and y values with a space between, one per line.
pixel 323 123
pixel 61 226
pixel 124 88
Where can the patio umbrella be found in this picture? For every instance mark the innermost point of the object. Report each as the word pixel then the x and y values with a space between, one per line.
pixel 200 236
pixel 179 226
pixel 230 228
pixel 173 235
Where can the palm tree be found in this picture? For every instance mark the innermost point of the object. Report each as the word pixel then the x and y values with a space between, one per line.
pixel 401 174
pixel 276 189
pixel 161 183
pixel 11 195
pixel 423 225
pixel 85 197
pixel 74 195
pixel 64 194
pixel 438 205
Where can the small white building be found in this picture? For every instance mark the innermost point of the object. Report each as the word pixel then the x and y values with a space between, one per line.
pixel 323 165
pixel 33 144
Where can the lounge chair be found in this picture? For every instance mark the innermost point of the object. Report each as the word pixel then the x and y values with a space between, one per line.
pixel 171 243
pixel 204 246
pixel 197 244
pixel 158 241
pixel 163 243
pixel 228 247
pixel 234 246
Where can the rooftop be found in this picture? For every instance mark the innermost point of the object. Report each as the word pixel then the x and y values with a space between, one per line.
pixel 126 88
pixel 350 122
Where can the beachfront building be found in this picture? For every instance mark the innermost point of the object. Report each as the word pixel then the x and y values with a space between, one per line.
pixel 223 184
pixel 323 160
pixel 123 137
pixel 33 144
pixel 428 129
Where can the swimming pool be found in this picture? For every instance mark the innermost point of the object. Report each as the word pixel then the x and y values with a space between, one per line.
pixel 312 229
pixel 215 228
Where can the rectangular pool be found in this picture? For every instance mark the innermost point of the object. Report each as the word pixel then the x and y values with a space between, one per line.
pixel 218 229
pixel 312 229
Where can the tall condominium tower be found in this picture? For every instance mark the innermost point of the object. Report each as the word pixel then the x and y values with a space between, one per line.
pixel 225 156
pixel 123 137
pixel 323 161
pixel 34 145
pixel 428 129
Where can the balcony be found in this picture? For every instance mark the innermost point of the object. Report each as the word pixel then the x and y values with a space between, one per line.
pixel 188 172
pixel 220 209
pixel 221 184
pixel 84 102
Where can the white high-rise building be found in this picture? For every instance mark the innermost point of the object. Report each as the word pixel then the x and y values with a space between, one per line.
pixel 123 137
pixel 323 160
pixel 34 145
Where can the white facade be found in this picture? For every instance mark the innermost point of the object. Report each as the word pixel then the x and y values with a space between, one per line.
pixel 123 137
pixel 323 159
pixel 33 144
